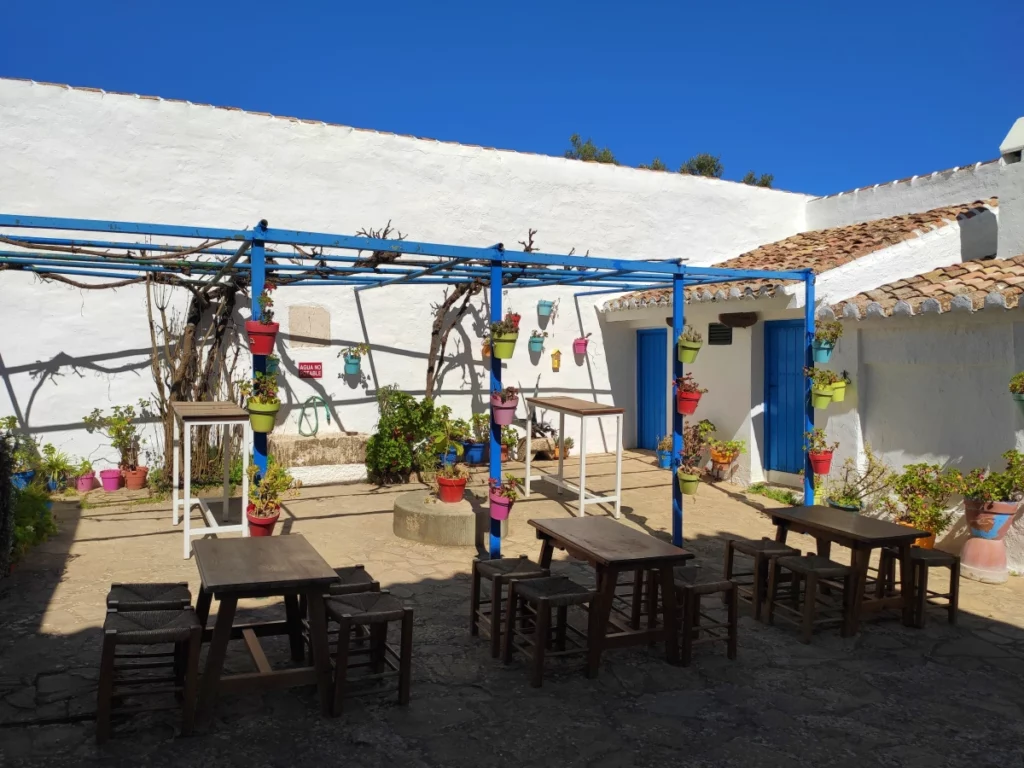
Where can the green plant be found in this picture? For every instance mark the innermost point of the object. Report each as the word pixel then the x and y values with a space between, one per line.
pixel 508 488
pixel 461 429
pixel 828 332
pixel 356 351
pixel 783 495
pixel 266 492
pixel 703 164
pixel 24 449
pixel 665 443
pixel 569 443
pixel 119 427
pixel 539 335
pixel 453 471
pixel 83 467
pixel 691 335
pixel 509 437
pixel 688 384
pixel 817 442
pixel 55 466
pixel 33 521
pixel 505 327
pixel 922 493
pixel 266 303
pixel 1008 485
pixel 506 394
pixel 727 450
pixel 859 486
pixel 262 389
pixel 696 443
pixel 1017 384
pixel 588 151
pixel 481 427
pixel 399 444
pixel 444 435
pixel 821 378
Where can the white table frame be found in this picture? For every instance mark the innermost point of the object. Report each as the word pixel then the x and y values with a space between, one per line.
pixel 182 502
pixel 585 497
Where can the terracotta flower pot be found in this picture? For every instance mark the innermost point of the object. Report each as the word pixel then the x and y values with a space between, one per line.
pixel 504 453
pixel 451 490
pixel 983 557
pixel 686 402
pixel 261 336
pixel 261 526
pixel 927 542
pixel 821 463
pixel 135 479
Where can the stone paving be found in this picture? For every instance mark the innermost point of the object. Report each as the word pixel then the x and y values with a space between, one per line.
pixel 891 696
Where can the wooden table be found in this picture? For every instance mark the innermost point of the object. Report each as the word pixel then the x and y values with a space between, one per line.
pixel 286 566
pixel 207 414
pixel 861 534
pixel 612 548
pixel 583 410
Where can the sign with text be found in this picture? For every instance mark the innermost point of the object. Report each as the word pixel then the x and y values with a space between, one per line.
pixel 311 370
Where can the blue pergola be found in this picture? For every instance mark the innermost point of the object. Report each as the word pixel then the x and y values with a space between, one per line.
pixel 202 256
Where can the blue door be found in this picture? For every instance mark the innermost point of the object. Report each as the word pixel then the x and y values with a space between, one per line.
pixel 784 395
pixel 651 386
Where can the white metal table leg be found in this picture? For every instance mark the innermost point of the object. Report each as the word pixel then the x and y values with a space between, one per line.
pixel 529 450
pixel 227 470
pixel 618 465
pixel 175 468
pixel 583 464
pixel 187 491
pixel 561 450
pixel 246 450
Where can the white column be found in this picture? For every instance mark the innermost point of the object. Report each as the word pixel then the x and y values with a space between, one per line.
pixel 561 450
pixel 246 450
pixel 226 428
pixel 529 449
pixel 583 463
pixel 187 490
pixel 175 467
pixel 618 465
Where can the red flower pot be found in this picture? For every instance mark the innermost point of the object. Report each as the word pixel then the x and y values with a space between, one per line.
pixel 504 413
pixel 686 402
pixel 500 506
pixel 261 526
pixel 450 490
pixel 821 463
pixel 261 336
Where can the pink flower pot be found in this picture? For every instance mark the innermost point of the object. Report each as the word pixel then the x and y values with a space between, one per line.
pixel 86 482
pixel 500 506
pixel 504 413
pixel 579 346
pixel 111 479
pixel 983 557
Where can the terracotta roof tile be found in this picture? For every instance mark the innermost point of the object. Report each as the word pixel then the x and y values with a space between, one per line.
pixel 819 251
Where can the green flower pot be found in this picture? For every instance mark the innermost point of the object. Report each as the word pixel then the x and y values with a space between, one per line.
pixel 688 483
pixel 1019 400
pixel 262 416
pixel 688 350
pixel 839 392
pixel 821 397
pixel 503 345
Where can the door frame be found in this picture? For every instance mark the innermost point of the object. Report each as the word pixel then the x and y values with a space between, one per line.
pixel 776 475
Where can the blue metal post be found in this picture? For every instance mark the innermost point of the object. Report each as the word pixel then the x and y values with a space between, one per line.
pixel 808 363
pixel 496 287
pixel 258 263
pixel 678 319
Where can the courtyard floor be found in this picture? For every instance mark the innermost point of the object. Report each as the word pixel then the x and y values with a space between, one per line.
pixel 943 696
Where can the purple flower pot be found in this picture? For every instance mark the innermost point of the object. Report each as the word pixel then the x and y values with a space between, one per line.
pixel 504 413
pixel 86 482
pixel 500 506
pixel 111 479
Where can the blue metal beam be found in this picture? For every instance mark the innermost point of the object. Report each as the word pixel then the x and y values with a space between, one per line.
pixel 495 458
pixel 257 260
pixel 678 321
pixel 808 363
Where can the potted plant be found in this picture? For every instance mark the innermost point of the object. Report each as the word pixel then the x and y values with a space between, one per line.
pixel 119 427
pixel 545 308
pixel 273 365
pixel 450 481
pixel 991 502
pixel 509 440
pixel 688 393
pixel 485 346
pixel 819 451
pixel 568 444
pixel 265 495
pixel 353 358
pixel 503 338
pixel 856 486
pixel 839 387
pixel 56 467
pixel 825 337
pixel 664 452
pixel 502 496
pixel 24 453
pixel 922 496
pixel 579 345
pixel 696 441
pixel 514 318
pixel 503 405
pixel 262 332
pixel 725 452
pixel 1017 390
pixel 821 386
pixel 262 401
pixel 446 436
pixel 688 344
pixel 479 436
pixel 537 341
pixel 85 477
pixel 556 360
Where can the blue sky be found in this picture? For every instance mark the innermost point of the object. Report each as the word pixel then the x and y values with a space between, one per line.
pixel 827 96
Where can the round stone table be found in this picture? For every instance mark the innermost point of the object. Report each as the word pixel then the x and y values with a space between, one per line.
pixel 421 517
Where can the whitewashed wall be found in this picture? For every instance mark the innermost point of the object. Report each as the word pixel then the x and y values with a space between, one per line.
pixel 81 153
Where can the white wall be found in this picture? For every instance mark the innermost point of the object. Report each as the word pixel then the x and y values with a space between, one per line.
pixel 79 153
pixel 919 193
pixel 1011 204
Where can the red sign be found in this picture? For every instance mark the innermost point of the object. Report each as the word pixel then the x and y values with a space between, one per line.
pixel 311 370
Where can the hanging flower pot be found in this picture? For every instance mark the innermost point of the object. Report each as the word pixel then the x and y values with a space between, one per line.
pixel 111 479
pixel 544 308
pixel 687 483
pixel 135 479
pixel 556 361
pixel 537 344
pixel 503 345
pixel 85 482
pixel 451 490
pixel 485 348
pixel 352 365
pixel 821 351
pixel 503 405
pixel 273 365
pixel 261 526
pixel 821 463
pixel 501 504
pixel 514 318
pixel 688 350
pixel 261 336
pixel 579 346
pixel 262 416
pixel 686 402
pixel 1019 400
pixel 821 397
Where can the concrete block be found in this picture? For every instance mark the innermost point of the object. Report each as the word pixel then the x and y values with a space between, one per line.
pixel 323 449
pixel 420 517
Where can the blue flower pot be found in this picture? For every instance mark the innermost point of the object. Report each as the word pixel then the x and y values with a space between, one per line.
pixel 352 365
pixel 544 308
pixel 664 459
pixel 822 351
pixel 474 453
pixel 536 344
pixel 272 366
pixel 20 480
pixel 51 486
pixel 449 458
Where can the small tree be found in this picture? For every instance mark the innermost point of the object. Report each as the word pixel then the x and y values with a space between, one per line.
pixel 704 164
pixel 588 152
pixel 656 165
pixel 764 180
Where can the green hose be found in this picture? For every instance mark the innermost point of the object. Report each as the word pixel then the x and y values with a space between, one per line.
pixel 313 400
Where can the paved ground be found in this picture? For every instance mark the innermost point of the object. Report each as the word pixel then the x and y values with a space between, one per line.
pixel 891 696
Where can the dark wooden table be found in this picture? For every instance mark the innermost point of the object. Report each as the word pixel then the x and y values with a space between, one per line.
pixel 612 548
pixel 862 535
pixel 285 566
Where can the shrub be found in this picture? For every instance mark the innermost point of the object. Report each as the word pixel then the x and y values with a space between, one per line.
pixel 691 335
pixel 817 442
pixel 33 522
pixel 399 444
pixel 688 384
pixel 828 332
pixel 1017 384
pixel 922 496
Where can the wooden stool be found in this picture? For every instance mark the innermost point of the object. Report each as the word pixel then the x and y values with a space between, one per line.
pixel 180 628
pixel 816 572
pixel 148 597
pixel 534 599
pixel 352 579
pixel 374 611
pixel 691 584
pixel 486 613
pixel 921 560
pixel 752 585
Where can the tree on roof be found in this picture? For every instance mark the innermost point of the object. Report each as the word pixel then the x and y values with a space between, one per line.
pixel 655 165
pixel 764 180
pixel 703 164
pixel 588 152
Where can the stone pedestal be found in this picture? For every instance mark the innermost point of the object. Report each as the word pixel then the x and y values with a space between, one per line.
pixel 420 517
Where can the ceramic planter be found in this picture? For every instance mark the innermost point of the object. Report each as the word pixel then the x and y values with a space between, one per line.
pixel 352 364
pixel 536 344
pixel 926 542
pixel 261 336
pixel 20 480
pixel 503 345
pixel 686 402
pixel 688 350
pixel 56 485
pixel 579 346
pixel 821 351
pixel 262 416
pixel 839 391
pixel 448 458
pixel 500 506
pixel 111 479
pixel 504 453
pixel 544 308
pixel 983 557
pixel 821 397
pixel 85 483
pixel 1019 400
pixel 473 453
pixel 261 526
pixel 664 459
pixel 723 459
pixel 687 483
pixel 821 463
pixel 485 349
pixel 853 508
pixel 504 413
pixel 451 490
pixel 273 366
pixel 135 479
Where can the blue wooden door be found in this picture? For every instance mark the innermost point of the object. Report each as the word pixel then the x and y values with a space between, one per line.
pixel 784 395
pixel 651 386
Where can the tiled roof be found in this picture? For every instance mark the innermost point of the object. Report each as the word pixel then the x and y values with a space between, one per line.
pixel 967 285
pixel 819 251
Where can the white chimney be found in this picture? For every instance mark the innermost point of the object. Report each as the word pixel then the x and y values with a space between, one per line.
pixel 1011 193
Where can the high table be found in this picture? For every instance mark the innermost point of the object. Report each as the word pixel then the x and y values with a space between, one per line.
pixel 582 409
pixel 612 548
pixel 285 566
pixel 861 534
pixel 208 414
